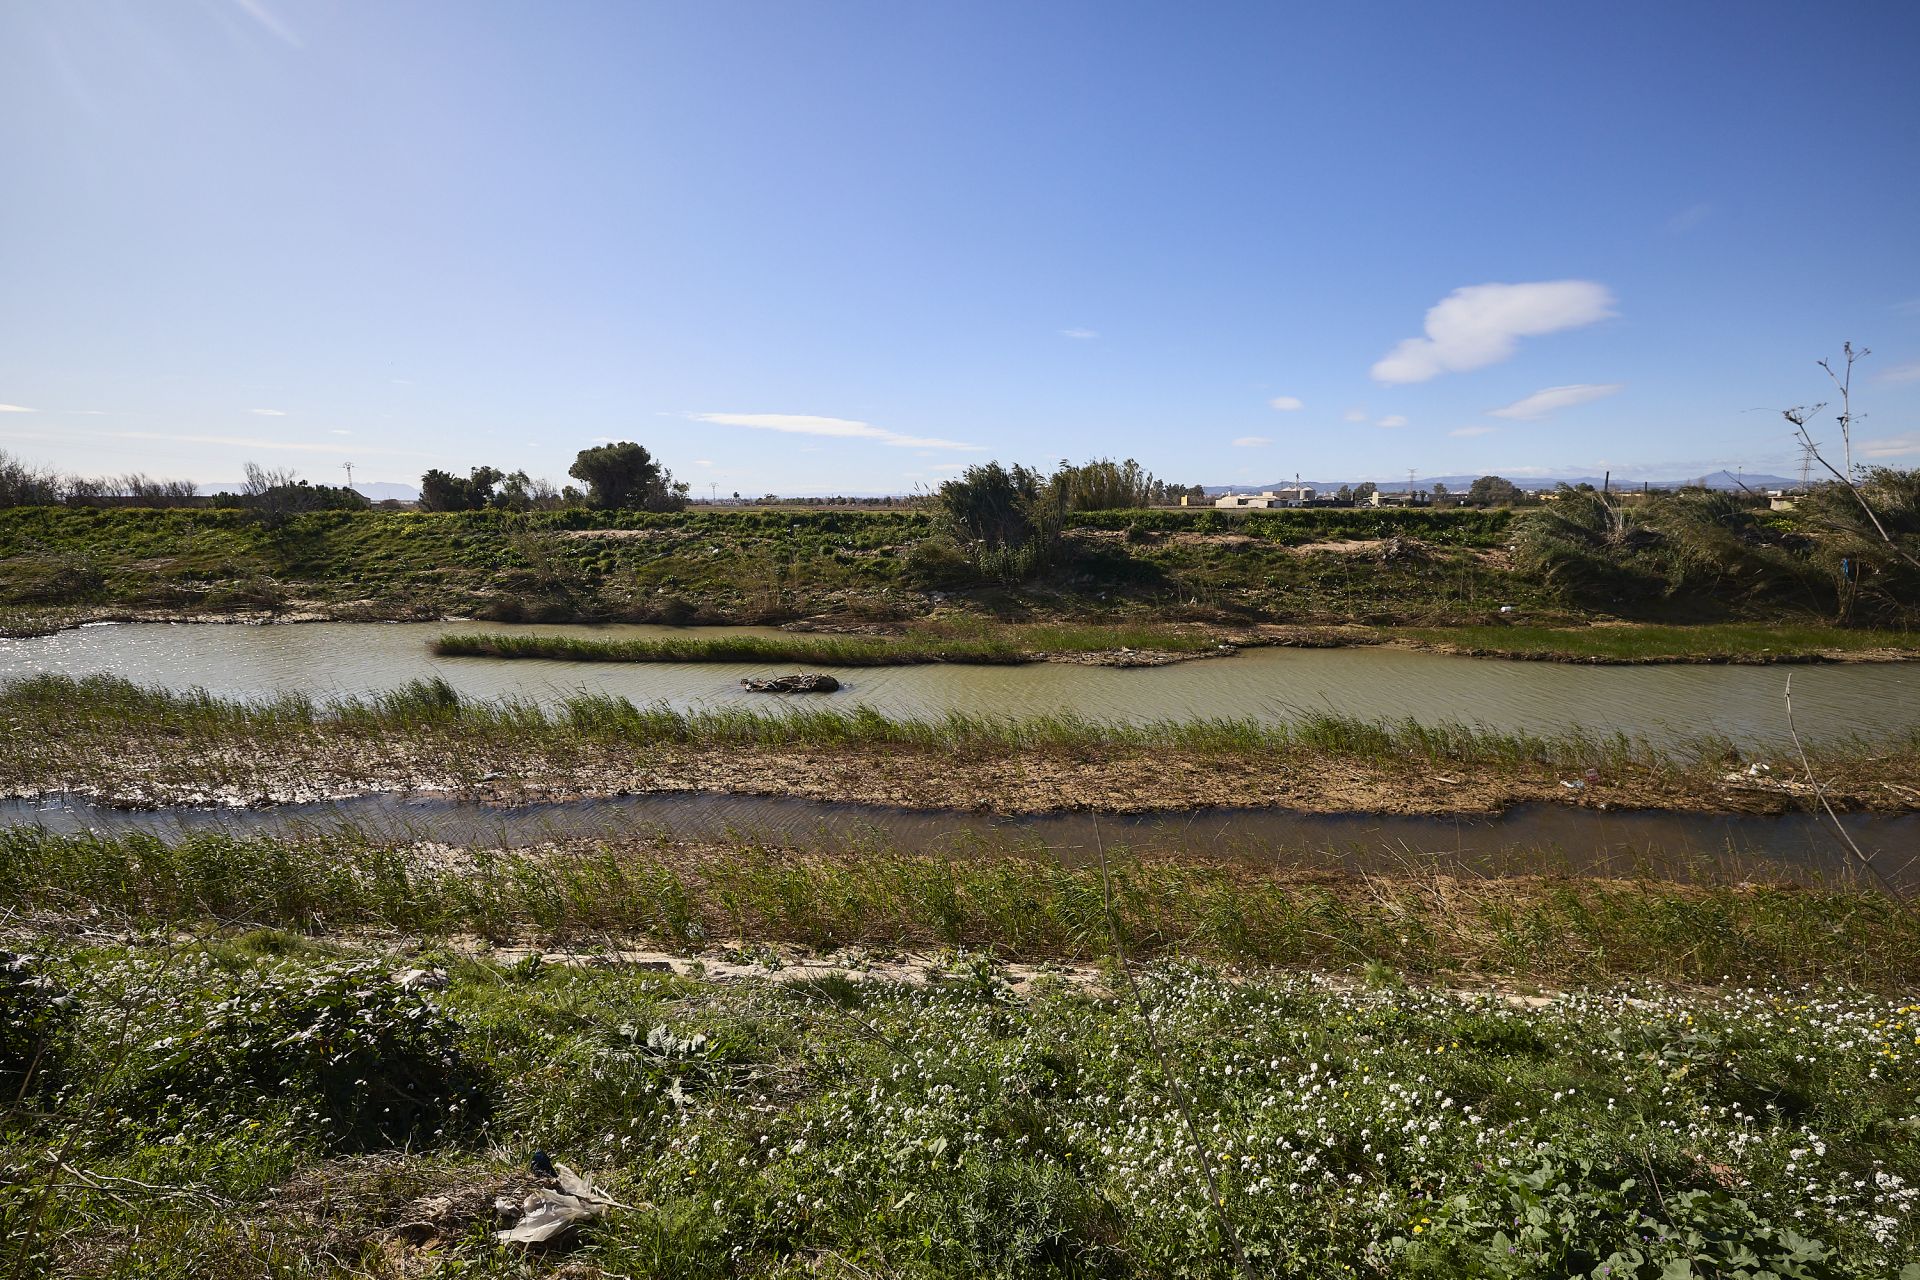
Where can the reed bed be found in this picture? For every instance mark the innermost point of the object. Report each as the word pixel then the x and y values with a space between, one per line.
pixel 1714 642
pixel 1010 899
pixel 95 704
pixel 124 744
pixel 977 645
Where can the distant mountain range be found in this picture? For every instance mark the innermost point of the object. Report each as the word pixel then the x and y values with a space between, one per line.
pixel 380 491
pixel 1460 484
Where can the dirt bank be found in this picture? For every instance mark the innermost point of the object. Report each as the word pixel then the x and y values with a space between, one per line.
pixel 140 770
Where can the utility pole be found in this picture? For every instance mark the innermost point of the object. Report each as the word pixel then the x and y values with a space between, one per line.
pixel 349 467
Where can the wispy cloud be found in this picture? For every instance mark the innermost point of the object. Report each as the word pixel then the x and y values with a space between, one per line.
pixel 88 413
pixel 16 408
pixel 338 431
pixel 1890 446
pixel 1251 442
pixel 269 413
pixel 1482 324
pixel 1286 404
pixel 258 11
pixel 1908 372
pixel 1472 431
pixel 1543 403
pixel 1082 334
pixel 838 428
pixel 236 442
pixel 703 462
pixel 1355 415
pixel 1392 420
pixel 1688 218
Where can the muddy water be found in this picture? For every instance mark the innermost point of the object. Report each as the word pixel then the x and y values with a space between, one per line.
pixel 1530 838
pixel 1656 703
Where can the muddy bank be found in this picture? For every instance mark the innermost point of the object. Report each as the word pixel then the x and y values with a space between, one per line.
pixel 326 763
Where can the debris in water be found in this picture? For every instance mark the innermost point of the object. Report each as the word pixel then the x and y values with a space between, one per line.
pixel 802 682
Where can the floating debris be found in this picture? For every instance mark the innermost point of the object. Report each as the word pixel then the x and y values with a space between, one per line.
pixel 802 682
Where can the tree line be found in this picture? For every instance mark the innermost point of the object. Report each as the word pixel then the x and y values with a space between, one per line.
pixel 275 492
pixel 620 476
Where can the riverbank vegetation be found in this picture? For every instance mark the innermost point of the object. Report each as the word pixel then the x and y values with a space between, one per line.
pixel 106 737
pixel 970 640
pixel 1710 642
pixel 1686 558
pixel 949 641
pixel 212 1103
pixel 1542 920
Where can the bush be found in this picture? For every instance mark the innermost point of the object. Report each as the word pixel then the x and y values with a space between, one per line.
pixel 33 1013
pixel 377 1065
pixel 1572 1218
pixel 939 562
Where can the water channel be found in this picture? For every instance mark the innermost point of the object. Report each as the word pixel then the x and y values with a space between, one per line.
pixel 1540 838
pixel 1655 703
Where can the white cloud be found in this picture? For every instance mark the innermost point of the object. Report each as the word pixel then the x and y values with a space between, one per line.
pixel 238 442
pixel 16 408
pixel 703 462
pixel 88 413
pixel 1471 431
pixel 1890 446
pixel 839 428
pixel 1481 324
pixel 1251 442
pixel 1081 334
pixel 1392 420
pixel 1355 415
pixel 1908 372
pixel 1286 404
pixel 338 431
pixel 1542 403
pixel 269 413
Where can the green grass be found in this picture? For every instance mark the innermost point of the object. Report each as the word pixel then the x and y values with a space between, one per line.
pixel 1003 645
pixel 1708 642
pixel 713 566
pixel 104 736
pixel 104 706
pixel 1010 899
pixel 192 1094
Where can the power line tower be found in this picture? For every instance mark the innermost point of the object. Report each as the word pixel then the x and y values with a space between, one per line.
pixel 349 467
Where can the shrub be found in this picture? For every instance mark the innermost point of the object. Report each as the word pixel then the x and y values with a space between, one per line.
pixel 376 1064
pixel 939 562
pixel 33 1011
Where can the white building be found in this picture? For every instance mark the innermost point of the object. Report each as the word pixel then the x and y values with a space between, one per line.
pixel 1291 496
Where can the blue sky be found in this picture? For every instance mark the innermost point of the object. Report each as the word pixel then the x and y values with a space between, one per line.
pixel 839 247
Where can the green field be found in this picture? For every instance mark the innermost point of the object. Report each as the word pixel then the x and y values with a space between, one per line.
pixel 230 1104
pixel 732 566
